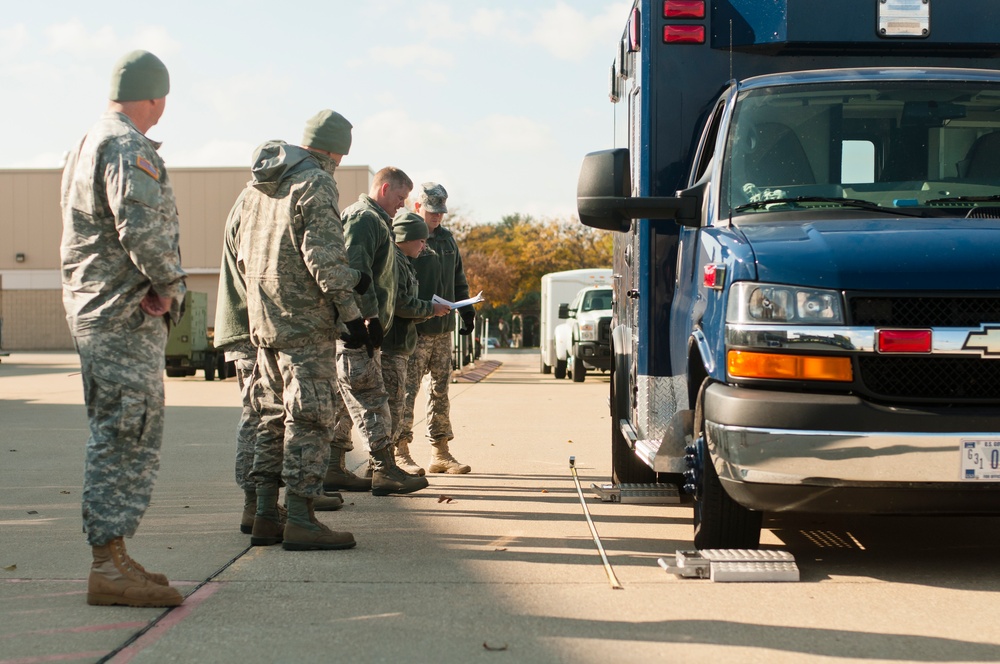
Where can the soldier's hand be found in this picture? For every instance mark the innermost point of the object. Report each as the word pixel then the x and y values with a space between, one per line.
pixel 363 283
pixel 357 336
pixel 375 332
pixel 441 309
pixel 155 305
pixel 468 322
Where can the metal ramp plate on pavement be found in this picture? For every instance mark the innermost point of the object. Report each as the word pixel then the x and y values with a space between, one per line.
pixel 733 565
pixel 629 492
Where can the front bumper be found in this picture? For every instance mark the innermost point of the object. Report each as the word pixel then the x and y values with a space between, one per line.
pixel 783 451
pixel 594 354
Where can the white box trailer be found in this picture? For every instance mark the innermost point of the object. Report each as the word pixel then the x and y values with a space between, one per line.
pixel 559 288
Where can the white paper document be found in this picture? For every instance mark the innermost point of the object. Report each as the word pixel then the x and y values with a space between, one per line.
pixel 437 299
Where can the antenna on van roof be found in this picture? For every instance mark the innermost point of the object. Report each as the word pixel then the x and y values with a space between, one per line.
pixel 730 49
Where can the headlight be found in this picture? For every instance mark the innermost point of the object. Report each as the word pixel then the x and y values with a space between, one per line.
pixel 774 303
pixel 588 332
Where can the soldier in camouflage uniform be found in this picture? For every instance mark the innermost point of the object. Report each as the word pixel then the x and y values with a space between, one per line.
pixel 439 271
pixel 368 235
pixel 232 336
pixel 122 276
pixel 410 233
pixel 300 297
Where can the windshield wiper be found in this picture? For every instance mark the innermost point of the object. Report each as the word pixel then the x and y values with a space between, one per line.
pixel 965 199
pixel 844 202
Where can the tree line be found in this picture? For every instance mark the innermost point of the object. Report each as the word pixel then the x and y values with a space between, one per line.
pixel 506 259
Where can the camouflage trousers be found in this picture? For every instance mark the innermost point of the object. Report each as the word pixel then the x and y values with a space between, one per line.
pixel 362 401
pixel 245 357
pixel 293 393
pixel 433 354
pixel 394 379
pixel 122 371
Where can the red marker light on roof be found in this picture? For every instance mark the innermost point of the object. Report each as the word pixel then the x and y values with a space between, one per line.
pixel 903 341
pixel 684 9
pixel 683 34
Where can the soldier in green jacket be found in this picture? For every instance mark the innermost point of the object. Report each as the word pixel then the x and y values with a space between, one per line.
pixel 121 276
pixel 370 249
pixel 410 233
pixel 439 271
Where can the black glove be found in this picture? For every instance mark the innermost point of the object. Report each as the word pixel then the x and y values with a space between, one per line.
pixel 363 283
pixel 357 336
pixel 375 332
pixel 468 322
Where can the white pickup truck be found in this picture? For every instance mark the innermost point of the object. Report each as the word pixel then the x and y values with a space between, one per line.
pixel 584 341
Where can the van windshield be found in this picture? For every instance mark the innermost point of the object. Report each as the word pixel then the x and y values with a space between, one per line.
pixel 924 148
pixel 596 300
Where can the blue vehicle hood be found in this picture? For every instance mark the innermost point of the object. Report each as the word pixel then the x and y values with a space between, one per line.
pixel 879 254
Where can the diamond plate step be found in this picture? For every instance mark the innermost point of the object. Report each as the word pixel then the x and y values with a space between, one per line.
pixel 726 565
pixel 629 492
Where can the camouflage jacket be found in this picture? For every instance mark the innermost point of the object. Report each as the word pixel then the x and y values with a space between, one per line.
pixel 401 339
pixel 439 269
pixel 368 235
pixel 291 250
pixel 120 229
pixel 232 324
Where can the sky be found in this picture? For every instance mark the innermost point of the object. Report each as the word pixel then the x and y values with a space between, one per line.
pixel 498 101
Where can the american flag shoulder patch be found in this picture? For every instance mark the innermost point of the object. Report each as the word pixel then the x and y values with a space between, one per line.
pixel 147 166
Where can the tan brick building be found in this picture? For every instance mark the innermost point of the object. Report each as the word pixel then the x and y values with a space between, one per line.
pixel 31 311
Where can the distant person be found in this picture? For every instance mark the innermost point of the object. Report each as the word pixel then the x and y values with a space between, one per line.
pixel 410 233
pixel 122 282
pixel 300 298
pixel 370 248
pixel 439 272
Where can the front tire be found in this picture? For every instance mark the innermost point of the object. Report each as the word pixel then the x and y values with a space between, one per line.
pixel 579 370
pixel 719 521
pixel 560 369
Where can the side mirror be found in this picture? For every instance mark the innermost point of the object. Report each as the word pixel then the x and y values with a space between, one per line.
pixel 564 310
pixel 603 201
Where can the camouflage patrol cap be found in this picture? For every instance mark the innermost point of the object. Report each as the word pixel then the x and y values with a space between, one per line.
pixel 138 76
pixel 329 131
pixel 408 226
pixel 433 197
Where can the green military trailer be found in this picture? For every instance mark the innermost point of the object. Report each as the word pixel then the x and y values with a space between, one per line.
pixel 189 346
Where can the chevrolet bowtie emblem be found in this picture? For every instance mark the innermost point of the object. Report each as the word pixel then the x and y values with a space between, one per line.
pixel 986 340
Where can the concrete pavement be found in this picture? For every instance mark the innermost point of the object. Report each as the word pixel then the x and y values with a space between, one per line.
pixel 493 566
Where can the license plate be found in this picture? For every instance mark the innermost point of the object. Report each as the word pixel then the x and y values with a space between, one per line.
pixel 981 459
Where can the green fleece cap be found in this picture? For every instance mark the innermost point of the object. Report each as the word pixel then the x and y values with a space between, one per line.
pixel 329 131
pixel 408 226
pixel 138 76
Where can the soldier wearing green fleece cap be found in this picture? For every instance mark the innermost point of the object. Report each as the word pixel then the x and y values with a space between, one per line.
pixel 122 277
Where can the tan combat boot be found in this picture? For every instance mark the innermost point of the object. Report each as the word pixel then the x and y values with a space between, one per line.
pixel 330 501
pixel 115 579
pixel 405 461
pixel 339 478
pixel 304 532
pixel 443 462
